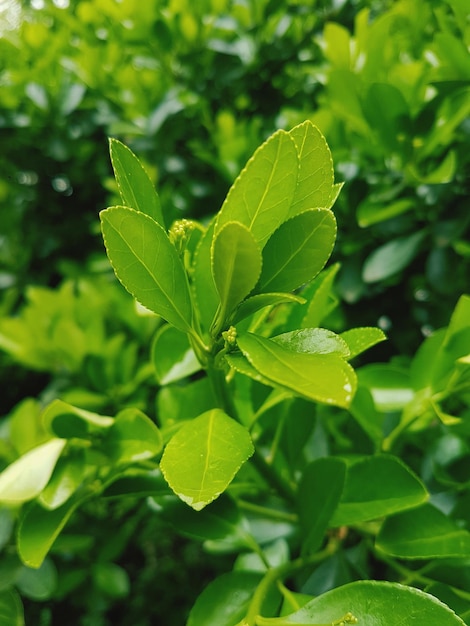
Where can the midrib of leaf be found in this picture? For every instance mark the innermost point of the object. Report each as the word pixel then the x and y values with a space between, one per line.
pixel 152 274
pixel 206 463
pixel 267 187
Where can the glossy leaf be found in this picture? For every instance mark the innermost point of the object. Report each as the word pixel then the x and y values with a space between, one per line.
pixel 260 301
pixel 111 579
pixel 360 339
pixel 67 477
pixel 147 264
pixel 203 457
pixel 205 292
pixel 26 477
pixel 68 421
pixel 136 189
pixel 389 385
pixel 39 528
pixel 172 356
pixel 391 257
pixel 261 196
pixel 11 609
pixel 297 251
pixel 325 378
pixel 236 266
pixel 374 603
pixel 315 181
pixel 225 600
pixel 132 438
pixel 313 341
pixel 423 533
pixel 377 486
pixel 320 297
pixel 319 493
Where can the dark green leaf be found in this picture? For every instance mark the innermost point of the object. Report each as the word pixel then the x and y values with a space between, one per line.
pixel 319 493
pixel 423 533
pixel 11 609
pixel 391 257
pixel 375 487
pixel 67 421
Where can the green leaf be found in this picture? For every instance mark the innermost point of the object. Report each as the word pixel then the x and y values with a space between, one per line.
pixel 147 264
pixel 219 522
pixel 423 533
pixel 374 603
pixel 68 421
pixel 38 529
pixel 136 188
pixel 67 477
pixel 377 486
pixel 111 579
pixel 132 438
pixel 206 296
pixel 225 600
pixel 236 266
pixel 371 212
pixel 11 609
pixel 203 457
pixel 325 378
pixel 366 415
pixel 26 477
pixel 172 356
pixel 38 584
pixel 391 257
pixel 297 251
pixel 319 493
pixel 255 303
pixel 320 298
pixel 261 196
pixel 389 385
pixel 137 482
pixel 315 180
pixel 360 339
pixel 313 341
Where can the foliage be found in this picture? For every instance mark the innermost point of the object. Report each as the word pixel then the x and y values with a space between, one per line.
pixel 266 445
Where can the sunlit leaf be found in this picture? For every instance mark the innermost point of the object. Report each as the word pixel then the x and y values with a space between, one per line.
pixel 203 457
pixel 147 264
pixel 136 188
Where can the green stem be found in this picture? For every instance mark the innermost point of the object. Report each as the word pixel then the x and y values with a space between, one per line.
pixel 264 511
pixel 253 616
pixel 267 471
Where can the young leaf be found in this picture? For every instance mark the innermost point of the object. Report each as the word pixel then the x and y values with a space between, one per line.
pixel 315 181
pixel 205 292
pixel 375 487
pixel 319 493
pixel 203 457
pixel 67 477
pixel 68 421
pixel 255 303
pixel 325 378
pixel 313 341
pixel 297 250
pixel 172 356
pixel 360 339
pixel 132 438
pixel 374 603
pixel 423 533
pixel 136 188
pixel 261 196
pixel 236 266
pixel 39 528
pixel 26 477
pixel 147 264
